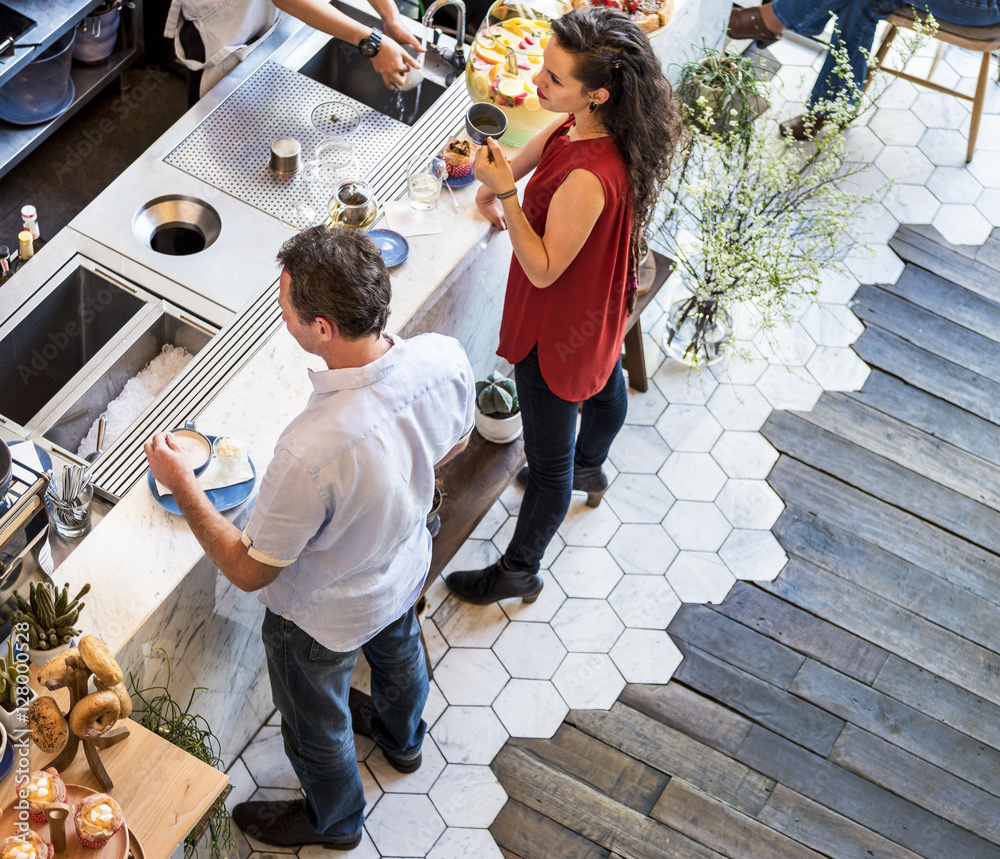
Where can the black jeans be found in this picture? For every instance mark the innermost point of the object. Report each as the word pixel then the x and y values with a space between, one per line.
pixel 553 446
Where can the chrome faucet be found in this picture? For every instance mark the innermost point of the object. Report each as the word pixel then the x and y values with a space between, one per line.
pixel 458 59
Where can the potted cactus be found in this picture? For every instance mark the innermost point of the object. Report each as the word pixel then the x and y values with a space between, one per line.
pixel 50 615
pixel 498 415
pixel 15 693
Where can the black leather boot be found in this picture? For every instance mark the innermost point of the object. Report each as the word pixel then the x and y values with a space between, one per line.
pixel 494 583
pixel 593 481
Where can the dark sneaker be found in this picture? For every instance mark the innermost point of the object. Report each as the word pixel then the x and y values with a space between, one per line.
pixel 284 824
pixel 361 708
pixel 496 582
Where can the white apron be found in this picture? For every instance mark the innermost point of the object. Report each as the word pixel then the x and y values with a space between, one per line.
pixel 229 29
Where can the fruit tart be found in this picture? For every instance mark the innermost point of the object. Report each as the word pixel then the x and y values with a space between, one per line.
pixel 41 787
pixel 97 819
pixel 30 845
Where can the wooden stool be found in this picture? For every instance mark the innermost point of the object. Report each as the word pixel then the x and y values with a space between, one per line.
pixel 985 39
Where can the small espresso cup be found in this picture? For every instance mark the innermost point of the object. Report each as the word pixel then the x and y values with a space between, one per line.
pixel 484 120
pixel 196 446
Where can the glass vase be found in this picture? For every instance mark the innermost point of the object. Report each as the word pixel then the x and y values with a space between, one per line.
pixel 699 329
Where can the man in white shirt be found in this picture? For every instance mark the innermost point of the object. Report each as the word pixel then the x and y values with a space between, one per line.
pixel 337 545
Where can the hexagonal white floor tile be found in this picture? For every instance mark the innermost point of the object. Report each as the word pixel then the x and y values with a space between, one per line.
pixel 944 147
pixel 784 344
pixel 989 204
pixel 954 185
pixel 469 735
pixel 589 681
pixel 697 526
pixel 491 522
pixel 838 369
pixel 693 476
pixel 431 766
pixel 789 388
pixel 642 549
pixel 588 626
pixel 544 607
pixel 465 625
pixel 681 384
pixel 589 526
pixel 896 127
pixel 639 498
pixel 530 708
pixel 586 572
pixel 646 656
pixel 985 166
pixel 645 407
pixel 742 366
pixel 744 454
pixel 472 555
pixel 865 144
pixel 873 223
pixel 404 825
pixel 750 504
pixel 837 286
pixel 938 110
pixel 832 325
pixel 753 555
pixel 875 265
pixel 691 429
pixel 700 577
pixel 639 449
pixel 739 407
pixel 468 796
pixel 529 651
pixel 459 843
pixel 644 602
pixel 911 204
pixel 962 224
pixel 469 676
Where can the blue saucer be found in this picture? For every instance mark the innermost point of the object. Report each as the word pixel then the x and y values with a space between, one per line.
pixel 7 760
pixel 392 245
pixel 222 499
pixel 461 181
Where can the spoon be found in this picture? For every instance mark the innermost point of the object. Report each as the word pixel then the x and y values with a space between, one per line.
pixel 454 199
pixel 91 457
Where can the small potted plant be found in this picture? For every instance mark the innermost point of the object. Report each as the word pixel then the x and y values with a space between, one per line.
pixel 14 692
pixel 50 615
pixel 434 517
pixel 498 415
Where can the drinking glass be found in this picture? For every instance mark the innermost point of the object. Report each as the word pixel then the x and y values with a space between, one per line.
pixel 70 517
pixel 424 175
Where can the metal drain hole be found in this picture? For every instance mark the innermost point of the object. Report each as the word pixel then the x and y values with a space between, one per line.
pixel 177 225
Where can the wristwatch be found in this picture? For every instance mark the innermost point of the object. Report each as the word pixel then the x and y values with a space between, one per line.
pixel 370 44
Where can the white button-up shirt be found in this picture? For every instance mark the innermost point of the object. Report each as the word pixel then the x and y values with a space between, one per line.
pixel 344 502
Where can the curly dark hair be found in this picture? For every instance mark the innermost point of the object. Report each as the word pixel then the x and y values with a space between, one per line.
pixel 641 115
pixel 338 274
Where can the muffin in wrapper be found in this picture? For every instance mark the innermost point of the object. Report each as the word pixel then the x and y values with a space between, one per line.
pixel 97 819
pixel 458 157
pixel 43 786
pixel 31 845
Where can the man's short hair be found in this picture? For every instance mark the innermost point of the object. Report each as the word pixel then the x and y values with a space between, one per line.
pixel 338 274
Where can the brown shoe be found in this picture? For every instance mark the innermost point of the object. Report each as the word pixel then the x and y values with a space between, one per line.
pixel 802 127
pixel 748 24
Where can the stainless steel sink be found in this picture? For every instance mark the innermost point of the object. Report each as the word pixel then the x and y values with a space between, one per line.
pixel 341 66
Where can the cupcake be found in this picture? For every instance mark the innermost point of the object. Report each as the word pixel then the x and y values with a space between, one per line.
pixel 30 845
pixel 98 817
pixel 41 787
pixel 458 158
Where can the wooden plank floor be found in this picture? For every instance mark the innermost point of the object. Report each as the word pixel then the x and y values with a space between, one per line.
pixel 850 708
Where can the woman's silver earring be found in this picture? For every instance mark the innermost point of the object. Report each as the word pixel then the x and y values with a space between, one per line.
pixel 593 107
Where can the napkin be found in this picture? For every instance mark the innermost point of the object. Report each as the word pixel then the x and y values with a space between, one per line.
pixel 214 477
pixel 25 453
pixel 407 221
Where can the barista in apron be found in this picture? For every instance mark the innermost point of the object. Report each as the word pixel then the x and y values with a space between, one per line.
pixel 212 36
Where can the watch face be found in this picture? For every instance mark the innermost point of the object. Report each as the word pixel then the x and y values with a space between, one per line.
pixel 369 46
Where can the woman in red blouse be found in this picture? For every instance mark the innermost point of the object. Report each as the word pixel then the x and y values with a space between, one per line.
pixel 572 276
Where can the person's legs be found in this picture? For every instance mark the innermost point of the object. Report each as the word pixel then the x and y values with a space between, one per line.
pixel 602 417
pixel 310 686
pixel 399 687
pixel 971 13
pixel 549 443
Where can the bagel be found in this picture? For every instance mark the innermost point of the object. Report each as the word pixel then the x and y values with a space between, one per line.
pixel 94 714
pixel 58 671
pixel 99 660
pixel 48 725
pixel 124 699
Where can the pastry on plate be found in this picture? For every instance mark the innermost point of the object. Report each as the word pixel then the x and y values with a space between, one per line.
pixel 30 845
pixel 97 818
pixel 42 786
pixel 458 157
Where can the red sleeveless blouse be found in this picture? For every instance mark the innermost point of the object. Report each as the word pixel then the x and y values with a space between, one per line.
pixel 579 320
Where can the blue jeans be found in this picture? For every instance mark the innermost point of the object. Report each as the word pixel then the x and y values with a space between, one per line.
pixel 855 29
pixel 310 686
pixel 553 447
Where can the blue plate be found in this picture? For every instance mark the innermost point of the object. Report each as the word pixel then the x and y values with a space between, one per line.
pixel 43 455
pixel 461 181
pixel 392 245
pixel 222 499
pixel 7 760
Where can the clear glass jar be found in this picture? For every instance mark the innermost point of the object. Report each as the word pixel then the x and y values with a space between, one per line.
pixel 506 54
